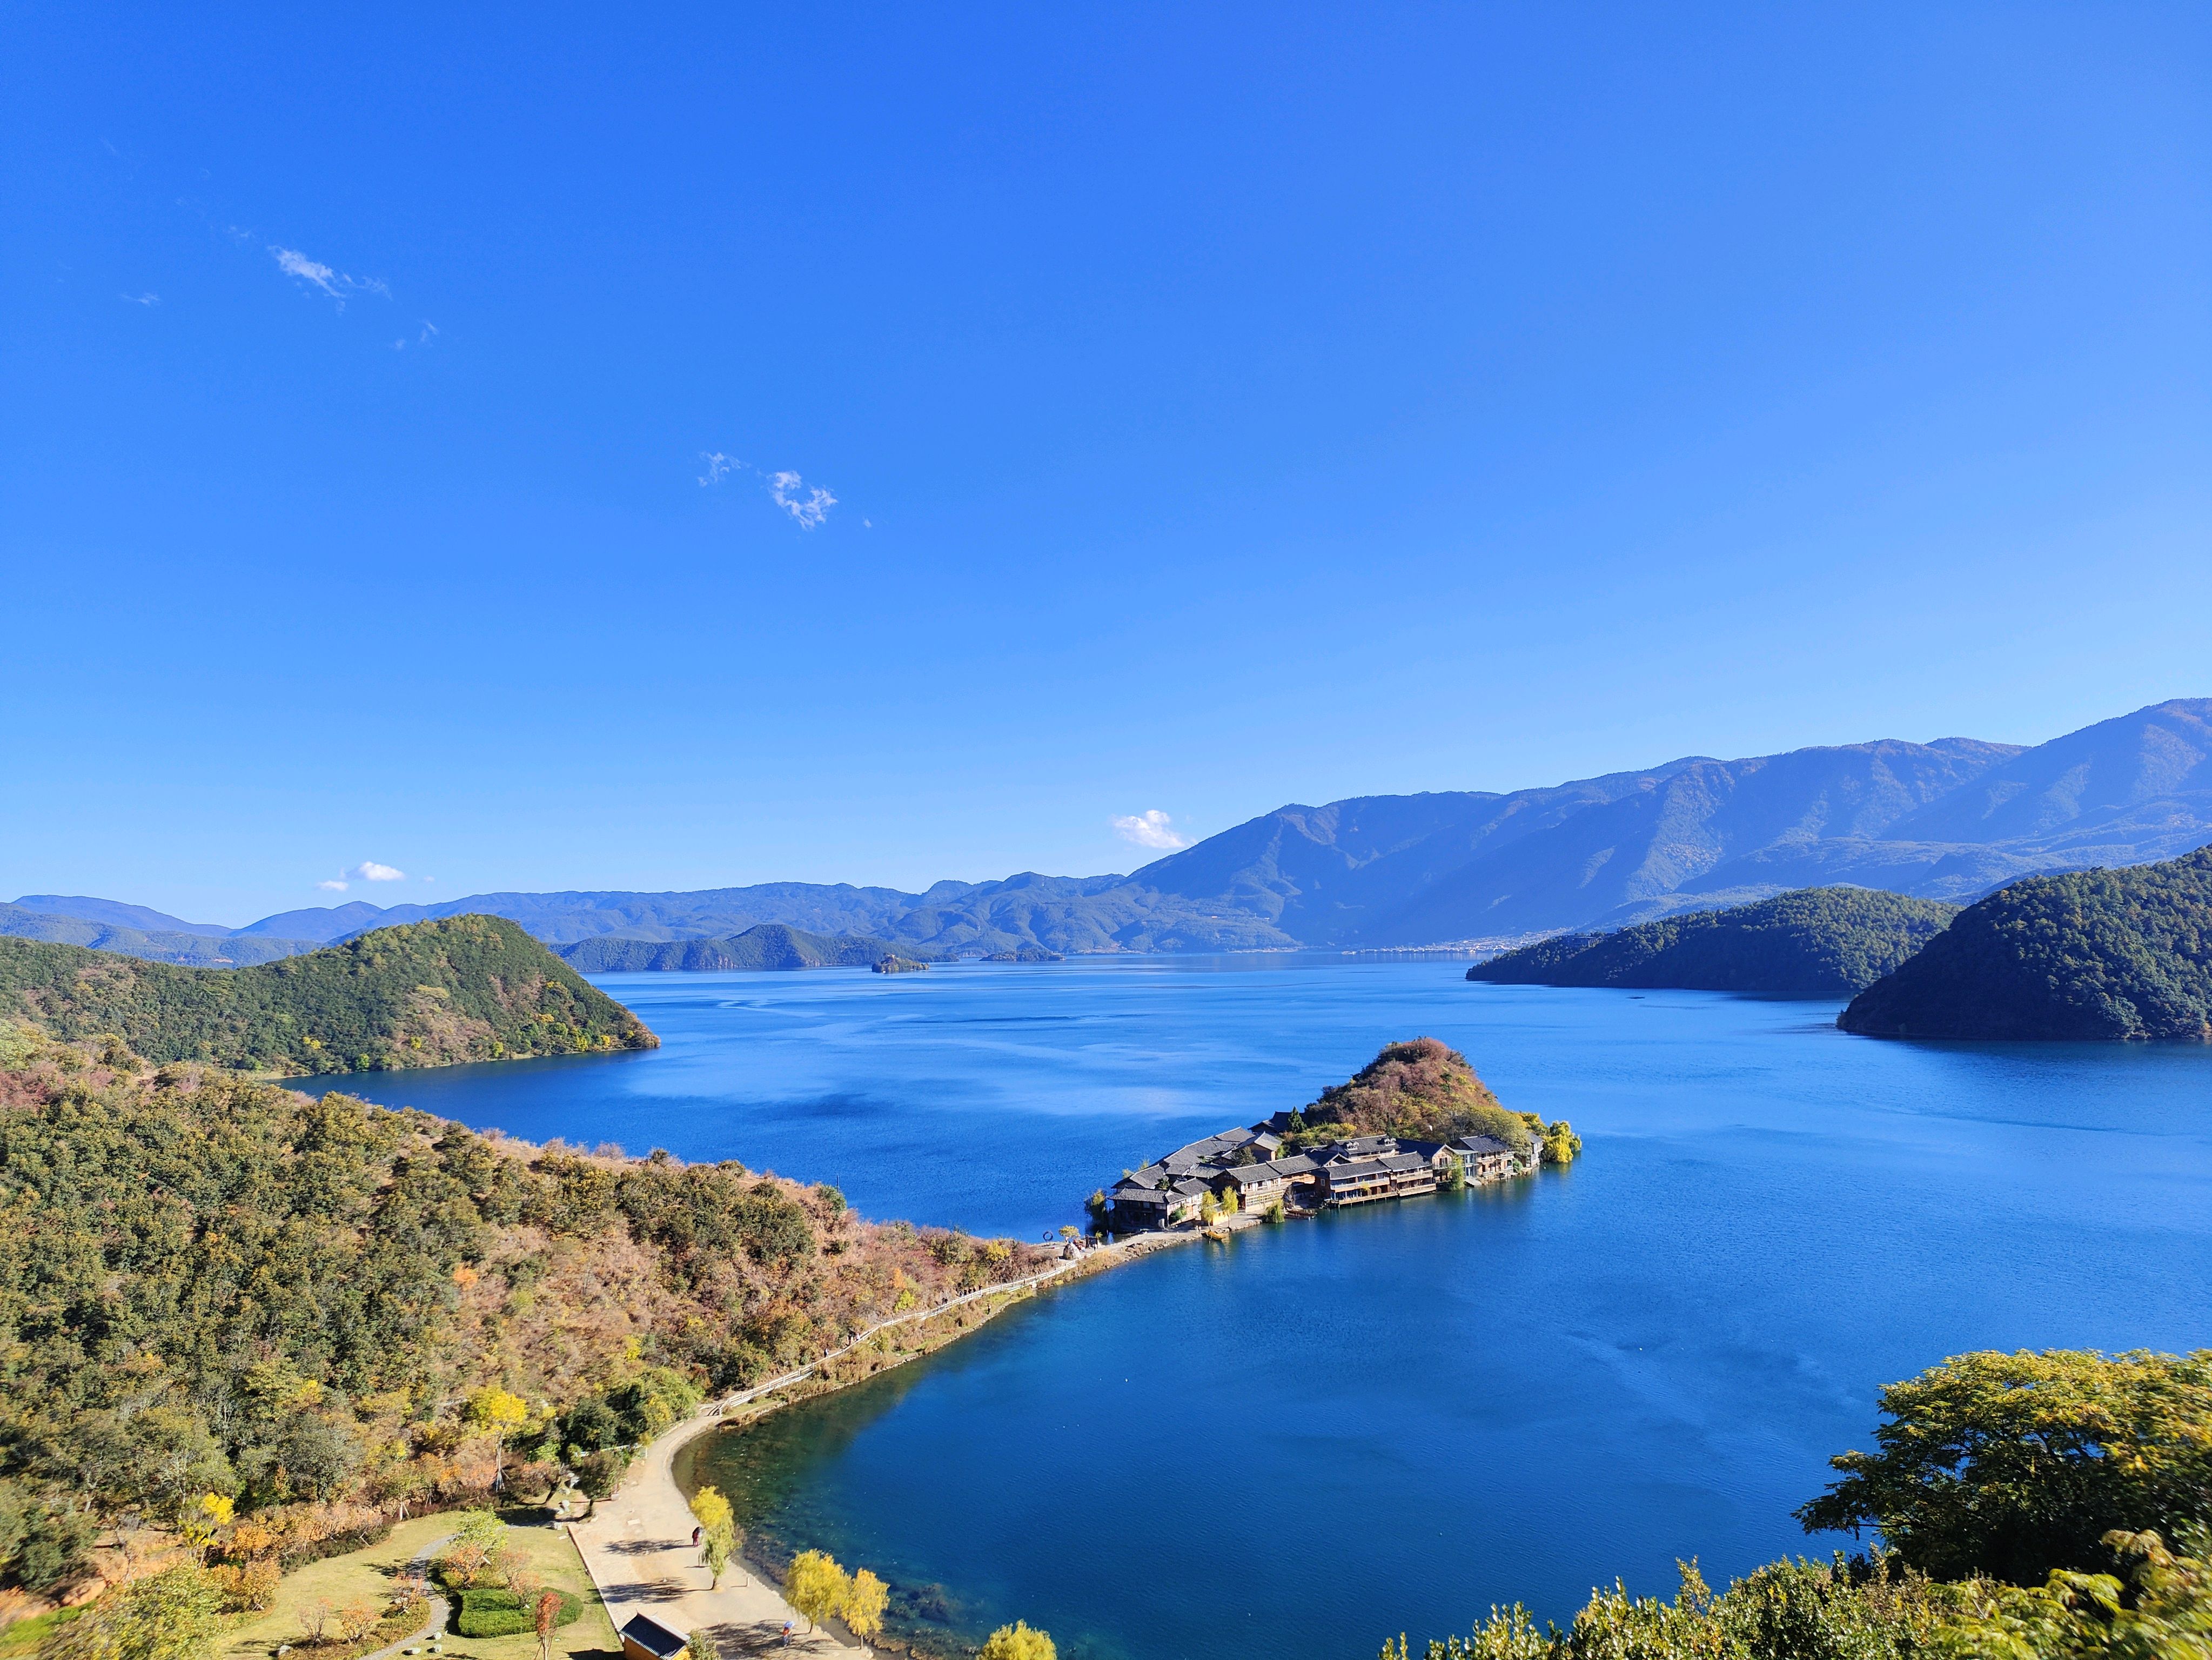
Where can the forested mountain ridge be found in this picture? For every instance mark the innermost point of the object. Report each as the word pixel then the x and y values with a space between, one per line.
pixel 2087 955
pixel 768 946
pixel 210 1285
pixel 1945 820
pixel 1815 943
pixel 432 994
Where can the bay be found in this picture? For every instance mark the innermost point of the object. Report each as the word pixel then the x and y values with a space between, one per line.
pixel 1327 1432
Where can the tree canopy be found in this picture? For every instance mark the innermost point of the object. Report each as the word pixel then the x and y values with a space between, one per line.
pixel 2092 954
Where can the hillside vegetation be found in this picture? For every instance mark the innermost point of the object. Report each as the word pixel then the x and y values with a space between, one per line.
pixel 1423 1089
pixel 769 945
pixel 1819 942
pixel 467 988
pixel 212 1285
pixel 2093 954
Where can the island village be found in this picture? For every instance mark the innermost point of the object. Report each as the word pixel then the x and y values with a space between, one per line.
pixel 1250 1170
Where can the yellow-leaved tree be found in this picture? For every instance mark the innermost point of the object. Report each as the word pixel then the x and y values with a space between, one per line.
pixel 863 1604
pixel 1019 1642
pixel 500 1413
pixel 718 1530
pixel 816 1586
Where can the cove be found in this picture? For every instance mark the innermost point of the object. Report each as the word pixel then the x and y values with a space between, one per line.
pixel 1325 1432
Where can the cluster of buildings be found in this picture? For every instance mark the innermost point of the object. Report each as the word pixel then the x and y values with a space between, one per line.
pixel 1248 1170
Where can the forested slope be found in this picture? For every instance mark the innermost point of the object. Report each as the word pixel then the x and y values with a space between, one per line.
pixel 466 988
pixel 2093 954
pixel 770 945
pixel 1819 942
pixel 209 1285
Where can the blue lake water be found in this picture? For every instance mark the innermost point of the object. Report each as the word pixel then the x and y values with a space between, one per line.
pixel 1325 1432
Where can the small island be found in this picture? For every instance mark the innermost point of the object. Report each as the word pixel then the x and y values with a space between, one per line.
pixel 1415 1119
pixel 892 962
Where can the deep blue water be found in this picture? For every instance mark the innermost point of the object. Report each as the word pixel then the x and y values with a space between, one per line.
pixel 1328 1431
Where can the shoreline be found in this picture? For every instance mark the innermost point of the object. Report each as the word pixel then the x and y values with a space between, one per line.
pixel 636 1544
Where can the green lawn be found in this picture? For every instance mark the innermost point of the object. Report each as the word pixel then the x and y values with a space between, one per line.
pixel 367 1576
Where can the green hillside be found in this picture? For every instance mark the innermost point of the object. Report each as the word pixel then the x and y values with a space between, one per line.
pixel 770 945
pixel 210 1284
pixel 2093 954
pixel 1817 942
pixel 432 994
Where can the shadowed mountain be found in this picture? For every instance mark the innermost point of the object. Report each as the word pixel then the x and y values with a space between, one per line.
pixel 770 945
pixel 1821 942
pixel 2090 954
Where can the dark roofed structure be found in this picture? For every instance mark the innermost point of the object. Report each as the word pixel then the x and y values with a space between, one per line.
pixel 644 1638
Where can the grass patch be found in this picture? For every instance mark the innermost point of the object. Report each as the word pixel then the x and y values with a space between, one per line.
pixel 369 1575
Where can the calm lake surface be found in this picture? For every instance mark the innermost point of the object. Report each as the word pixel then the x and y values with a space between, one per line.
pixel 1328 1431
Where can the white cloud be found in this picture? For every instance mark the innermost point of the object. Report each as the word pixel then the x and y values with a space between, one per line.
pixel 809 508
pixel 1150 829
pixel 331 886
pixel 719 466
pixel 144 298
pixel 334 284
pixel 369 870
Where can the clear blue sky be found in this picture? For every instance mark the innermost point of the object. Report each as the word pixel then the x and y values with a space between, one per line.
pixel 1222 406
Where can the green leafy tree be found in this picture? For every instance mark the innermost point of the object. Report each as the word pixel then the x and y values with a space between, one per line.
pixel 699 1645
pixel 175 1615
pixel 2163 1613
pixel 816 1586
pixel 1019 1642
pixel 2013 1465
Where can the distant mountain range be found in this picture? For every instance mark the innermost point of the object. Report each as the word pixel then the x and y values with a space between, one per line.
pixel 1949 820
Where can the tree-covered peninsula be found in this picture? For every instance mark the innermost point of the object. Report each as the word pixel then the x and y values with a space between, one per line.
pixel 1814 943
pixel 469 987
pixel 315 1309
pixel 2093 954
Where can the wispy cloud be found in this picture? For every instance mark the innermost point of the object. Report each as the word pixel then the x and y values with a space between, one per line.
pixel 809 507
pixel 1150 829
pixel 314 272
pixel 369 870
pixel 142 299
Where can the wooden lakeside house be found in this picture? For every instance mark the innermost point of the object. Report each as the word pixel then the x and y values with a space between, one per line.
pixel 1246 1169
pixel 1381 1176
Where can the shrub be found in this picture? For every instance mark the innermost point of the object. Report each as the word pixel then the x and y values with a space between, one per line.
pixel 494 1613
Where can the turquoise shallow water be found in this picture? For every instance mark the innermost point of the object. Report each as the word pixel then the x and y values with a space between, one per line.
pixel 1327 1433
